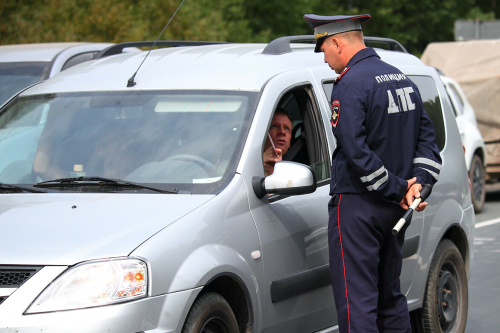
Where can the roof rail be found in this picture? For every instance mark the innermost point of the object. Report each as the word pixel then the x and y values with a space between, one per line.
pixel 118 48
pixel 281 45
pixel 393 44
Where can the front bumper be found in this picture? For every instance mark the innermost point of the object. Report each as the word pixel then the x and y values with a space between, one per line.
pixel 163 313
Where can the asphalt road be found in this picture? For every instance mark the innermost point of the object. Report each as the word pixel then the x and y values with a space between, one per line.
pixel 484 282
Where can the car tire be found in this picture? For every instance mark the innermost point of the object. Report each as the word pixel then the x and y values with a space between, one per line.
pixel 477 176
pixel 210 313
pixel 446 296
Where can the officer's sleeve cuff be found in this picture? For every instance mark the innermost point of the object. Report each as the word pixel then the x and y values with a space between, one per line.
pixel 403 185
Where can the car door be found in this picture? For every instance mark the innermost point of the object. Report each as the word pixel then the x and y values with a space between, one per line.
pixel 293 230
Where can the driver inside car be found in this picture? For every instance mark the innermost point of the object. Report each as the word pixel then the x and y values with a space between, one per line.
pixel 280 133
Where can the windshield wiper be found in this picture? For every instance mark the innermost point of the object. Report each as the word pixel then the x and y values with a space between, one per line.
pixel 25 188
pixel 104 181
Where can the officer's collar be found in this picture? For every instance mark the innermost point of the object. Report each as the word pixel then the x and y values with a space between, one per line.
pixel 362 54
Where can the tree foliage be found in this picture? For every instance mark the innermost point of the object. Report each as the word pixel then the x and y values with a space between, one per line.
pixel 413 23
pixel 31 21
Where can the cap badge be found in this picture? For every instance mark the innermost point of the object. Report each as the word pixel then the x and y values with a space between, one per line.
pixel 321 35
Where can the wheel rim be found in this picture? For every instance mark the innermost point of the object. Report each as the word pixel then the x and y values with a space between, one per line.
pixel 448 297
pixel 477 181
pixel 214 325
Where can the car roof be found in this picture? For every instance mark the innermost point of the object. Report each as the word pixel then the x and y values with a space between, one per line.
pixel 208 67
pixel 42 52
pixel 447 79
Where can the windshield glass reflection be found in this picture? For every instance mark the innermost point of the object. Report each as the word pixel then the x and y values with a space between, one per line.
pixel 191 139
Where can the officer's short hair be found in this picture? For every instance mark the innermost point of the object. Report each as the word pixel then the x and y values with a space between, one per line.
pixel 354 36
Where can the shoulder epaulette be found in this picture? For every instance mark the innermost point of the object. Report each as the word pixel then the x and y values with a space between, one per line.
pixel 341 74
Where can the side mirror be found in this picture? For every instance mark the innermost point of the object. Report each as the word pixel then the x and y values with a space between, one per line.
pixel 288 178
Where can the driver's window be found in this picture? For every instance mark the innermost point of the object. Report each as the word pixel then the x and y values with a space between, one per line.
pixel 296 134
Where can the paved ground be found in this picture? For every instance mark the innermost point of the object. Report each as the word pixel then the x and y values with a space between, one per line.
pixel 484 283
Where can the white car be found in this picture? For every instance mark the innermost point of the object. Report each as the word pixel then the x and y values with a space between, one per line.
pixel 25 64
pixel 472 140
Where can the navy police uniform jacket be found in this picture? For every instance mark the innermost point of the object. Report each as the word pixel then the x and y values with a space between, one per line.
pixel 384 137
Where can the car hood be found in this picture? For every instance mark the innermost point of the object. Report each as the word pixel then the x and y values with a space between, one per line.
pixel 64 229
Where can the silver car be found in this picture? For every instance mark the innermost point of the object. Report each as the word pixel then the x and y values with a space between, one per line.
pixel 22 65
pixel 140 205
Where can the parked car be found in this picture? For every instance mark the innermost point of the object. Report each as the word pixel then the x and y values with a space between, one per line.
pixel 475 151
pixel 138 202
pixel 22 65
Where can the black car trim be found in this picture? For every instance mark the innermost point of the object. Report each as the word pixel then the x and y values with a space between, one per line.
pixel 300 283
pixel 318 277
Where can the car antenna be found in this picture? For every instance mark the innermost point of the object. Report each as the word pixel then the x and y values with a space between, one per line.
pixel 131 82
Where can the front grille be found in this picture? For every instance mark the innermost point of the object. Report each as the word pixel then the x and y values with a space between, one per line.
pixel 15 276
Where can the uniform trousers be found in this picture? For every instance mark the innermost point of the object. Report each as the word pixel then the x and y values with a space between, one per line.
pixel 365 264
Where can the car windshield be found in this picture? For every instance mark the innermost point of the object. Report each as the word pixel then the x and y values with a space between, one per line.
pixel 190 140
pixel 17 76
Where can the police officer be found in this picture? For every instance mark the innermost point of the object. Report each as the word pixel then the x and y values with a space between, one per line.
pixel 385 150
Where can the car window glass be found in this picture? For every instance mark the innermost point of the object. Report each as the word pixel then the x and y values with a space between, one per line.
pixel 78 59
pixel 460 103
pixel 452 103
pixel 432 105
pixel 15 76
pixel 191 140
pixel 308 144
pixel 328 87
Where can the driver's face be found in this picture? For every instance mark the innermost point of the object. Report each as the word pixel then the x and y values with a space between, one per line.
pixel 281 132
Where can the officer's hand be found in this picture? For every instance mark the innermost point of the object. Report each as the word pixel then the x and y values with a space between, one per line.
pixel 404 202
pixel 270 158
pixel 412 194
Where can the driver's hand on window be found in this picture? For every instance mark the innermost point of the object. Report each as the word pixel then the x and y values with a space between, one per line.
pixel 270 157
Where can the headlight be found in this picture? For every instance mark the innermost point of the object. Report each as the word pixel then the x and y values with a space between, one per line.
pixel 93 284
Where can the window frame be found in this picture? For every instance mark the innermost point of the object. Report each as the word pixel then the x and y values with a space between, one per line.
pixel 454 95
pixel 317 143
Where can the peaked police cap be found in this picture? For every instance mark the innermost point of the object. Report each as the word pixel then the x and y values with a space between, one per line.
pixel 325 26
